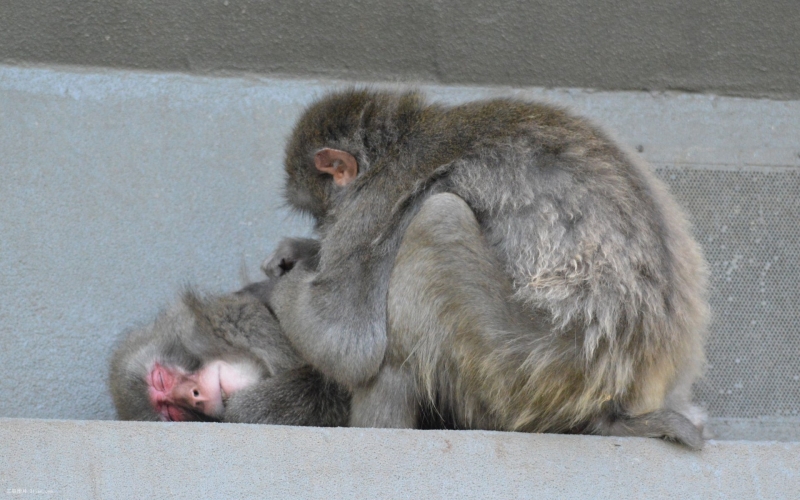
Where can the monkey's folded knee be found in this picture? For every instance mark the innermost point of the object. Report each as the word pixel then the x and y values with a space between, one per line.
pixel 290 251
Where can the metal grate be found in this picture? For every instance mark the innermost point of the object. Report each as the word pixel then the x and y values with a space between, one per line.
pixel 748 222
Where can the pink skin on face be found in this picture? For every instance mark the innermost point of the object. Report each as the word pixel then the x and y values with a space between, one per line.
pixel 173 391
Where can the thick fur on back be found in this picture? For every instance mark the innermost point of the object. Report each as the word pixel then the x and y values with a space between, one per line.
pixel 490 362
pixel 598 290
pixel 592 241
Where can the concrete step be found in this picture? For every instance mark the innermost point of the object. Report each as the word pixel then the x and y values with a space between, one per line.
pixel 93 459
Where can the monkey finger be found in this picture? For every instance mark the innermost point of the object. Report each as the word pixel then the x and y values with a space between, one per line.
pixel 276 266
pixel 287 254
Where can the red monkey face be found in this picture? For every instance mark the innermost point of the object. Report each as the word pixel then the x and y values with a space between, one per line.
pixel 179 396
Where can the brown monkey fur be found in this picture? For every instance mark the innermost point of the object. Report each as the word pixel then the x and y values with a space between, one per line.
pixel 573 298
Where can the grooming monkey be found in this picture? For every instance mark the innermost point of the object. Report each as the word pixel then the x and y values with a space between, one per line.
pixel 544 280
pixel 221 358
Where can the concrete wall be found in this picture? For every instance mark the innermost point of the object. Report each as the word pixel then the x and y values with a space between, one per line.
pixel 99 460
pixel 118 187
pixel 737 47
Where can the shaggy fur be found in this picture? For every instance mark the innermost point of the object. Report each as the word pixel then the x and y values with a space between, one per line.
pixel 574 287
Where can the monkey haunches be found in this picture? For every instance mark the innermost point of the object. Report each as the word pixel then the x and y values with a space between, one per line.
pixel 445 281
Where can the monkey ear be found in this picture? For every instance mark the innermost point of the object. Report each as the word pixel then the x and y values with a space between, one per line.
pixel 340 164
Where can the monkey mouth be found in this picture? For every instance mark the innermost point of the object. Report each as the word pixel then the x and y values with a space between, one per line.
pixel 173 414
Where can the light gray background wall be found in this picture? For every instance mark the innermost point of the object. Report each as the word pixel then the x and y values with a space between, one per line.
pixel 736 47
pixel 118 187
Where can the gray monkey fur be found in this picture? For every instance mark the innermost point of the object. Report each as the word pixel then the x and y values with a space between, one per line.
pixel 235 327
pixel 596 316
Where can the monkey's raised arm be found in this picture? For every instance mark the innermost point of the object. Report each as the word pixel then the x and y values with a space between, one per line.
pixel 346 168
pixel 336 317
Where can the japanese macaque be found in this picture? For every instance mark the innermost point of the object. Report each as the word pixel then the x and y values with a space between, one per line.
pixel 221 358
pixel 503 261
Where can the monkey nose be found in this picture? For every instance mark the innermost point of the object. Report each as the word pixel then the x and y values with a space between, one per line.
pixel 198 399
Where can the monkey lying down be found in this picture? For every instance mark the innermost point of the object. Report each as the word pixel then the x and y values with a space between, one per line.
pixel 225 358
pixel 221 358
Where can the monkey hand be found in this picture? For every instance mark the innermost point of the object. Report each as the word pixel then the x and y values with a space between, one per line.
pixel 290 251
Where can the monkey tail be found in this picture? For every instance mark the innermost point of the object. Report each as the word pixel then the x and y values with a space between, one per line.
pixel 666 424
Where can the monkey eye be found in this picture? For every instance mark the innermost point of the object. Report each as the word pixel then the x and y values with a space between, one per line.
pixel 196 393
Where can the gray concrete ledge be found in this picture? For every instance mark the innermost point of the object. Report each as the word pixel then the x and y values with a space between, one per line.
pixel 747 47
pixel 95 459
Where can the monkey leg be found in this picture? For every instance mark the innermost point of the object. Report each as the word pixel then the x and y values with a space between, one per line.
pixel 475 354
pixel 447 304
pixel 388 402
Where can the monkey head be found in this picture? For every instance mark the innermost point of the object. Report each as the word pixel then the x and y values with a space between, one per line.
pixel 194 356
pixel 340 138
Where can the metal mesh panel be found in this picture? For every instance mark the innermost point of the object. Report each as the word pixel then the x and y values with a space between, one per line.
pixel 748 222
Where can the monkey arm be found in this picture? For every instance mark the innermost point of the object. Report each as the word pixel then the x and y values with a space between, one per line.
pixel 302 396
pixel 332 308
pixel 340 330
